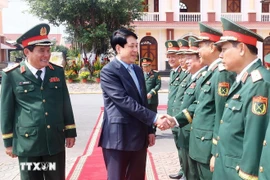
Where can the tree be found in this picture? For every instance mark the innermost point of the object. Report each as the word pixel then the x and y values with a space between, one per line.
pixel 89 23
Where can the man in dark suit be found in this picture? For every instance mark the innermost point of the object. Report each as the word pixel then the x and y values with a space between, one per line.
pixel 153 84
pixel 36 114
pixel 127 124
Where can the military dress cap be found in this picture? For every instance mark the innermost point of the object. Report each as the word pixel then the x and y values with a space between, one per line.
pixel 267 61
pixel 146 61
pixel 38 35
pixel 208 33
pixel 236 32
pixel 193 46
pixel 183 46
pixel 172 46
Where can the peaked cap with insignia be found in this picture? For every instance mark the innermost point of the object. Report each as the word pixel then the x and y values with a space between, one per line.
pixel 238 33
pixel 208 33
pixel 38 35
pixel 183 45
pixel 146 61
pixel 172 46
pixel 193 46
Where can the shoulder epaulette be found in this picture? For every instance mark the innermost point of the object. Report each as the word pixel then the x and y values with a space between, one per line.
pixel 55 64
pixel 156 71
pixel 7 69
pixel 221 67
pixel 256 75
pixel 244 77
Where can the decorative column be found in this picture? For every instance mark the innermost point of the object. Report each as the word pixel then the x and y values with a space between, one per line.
pixel 251 12
pixel 169 12
pixel 211 15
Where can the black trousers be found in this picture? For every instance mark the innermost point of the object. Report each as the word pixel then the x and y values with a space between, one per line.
pixel 125 165
pixel 43 167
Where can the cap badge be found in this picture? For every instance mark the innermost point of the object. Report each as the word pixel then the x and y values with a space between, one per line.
pixel 43 31
pixel 180 44
pixel 144 60
pixel 170 44
pixel 189 43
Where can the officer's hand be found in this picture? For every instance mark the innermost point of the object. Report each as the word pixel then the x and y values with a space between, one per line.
pixel 149 96
pixel 70 142
pixel 9 152
pixel 212 163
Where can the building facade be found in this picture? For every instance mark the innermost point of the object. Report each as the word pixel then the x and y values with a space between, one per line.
pixel 174 19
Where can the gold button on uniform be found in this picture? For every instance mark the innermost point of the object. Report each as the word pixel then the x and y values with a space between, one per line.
pixel 233 108
pixel 48 126
pixel 264 143
pixel 55 87
pixel 237 168
pixel 41 88
pixel 261 169
pixel 218 138
pixel 226 105
pixel 191 128
pixel 217 155
pixel 25 91
pixel 26 135
pixel 46 113
pixel 221 121
pixel 202 138
pixel 44 100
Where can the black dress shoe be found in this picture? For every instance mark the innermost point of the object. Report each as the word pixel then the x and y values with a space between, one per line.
pixel 175 176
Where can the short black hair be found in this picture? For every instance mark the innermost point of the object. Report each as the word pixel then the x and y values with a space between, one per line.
pixel 253 49
pixel 120 37
pixel 30 47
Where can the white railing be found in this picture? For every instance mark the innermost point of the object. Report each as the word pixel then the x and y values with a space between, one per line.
pixel 189 17
pixel 232 16
pixel 265 17
pixel 149 16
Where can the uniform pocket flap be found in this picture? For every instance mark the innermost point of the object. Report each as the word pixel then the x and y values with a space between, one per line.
pixel 231 162
pixel 27 131
pixel 55 85
pixel 235 105
pixel 206 88
pixel 119 120
pixel 25 88
pixel 203 135
pixel 190 91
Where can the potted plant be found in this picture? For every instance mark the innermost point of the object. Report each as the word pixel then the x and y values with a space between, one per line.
pixel 70 75
pixel 97 75
pixel 84 75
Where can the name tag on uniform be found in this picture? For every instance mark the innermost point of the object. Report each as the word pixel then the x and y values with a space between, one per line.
pixel 54 79
pixel 236 96
pixel 24 83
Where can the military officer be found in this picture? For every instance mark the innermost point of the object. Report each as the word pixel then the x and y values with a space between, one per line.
pixel 196 69
pixel 176 77
pixel 37 121
pixel 153 84
pixel 246 114
pixel 210 102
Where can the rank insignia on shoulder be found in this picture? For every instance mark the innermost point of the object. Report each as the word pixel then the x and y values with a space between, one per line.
pixel 155 71
pixel 22 69
pixel 159 78
pixel 244 77
pixel 7 69
pixel 236 96
pixel 151 76
pixel 259 105
pixel 223 88
pixel 204 73
pixel 221 67
pixel 192 86
pixel 256 75
pixel 54 79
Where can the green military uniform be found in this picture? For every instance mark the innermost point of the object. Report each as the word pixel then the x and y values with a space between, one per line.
pixel 176 77
pixel 36 116
pixel 209 108
pixel 267 61
pixel 245 118
pixel 186 100
pixel 153 84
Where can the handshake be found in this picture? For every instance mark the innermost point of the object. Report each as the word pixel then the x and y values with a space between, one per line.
pixel 165 121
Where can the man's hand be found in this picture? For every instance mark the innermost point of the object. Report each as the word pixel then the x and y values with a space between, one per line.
pixel 212 163
pixel 9 152
pixel 70 142
pixel 165 122
pixel 149 96
pixel 151 139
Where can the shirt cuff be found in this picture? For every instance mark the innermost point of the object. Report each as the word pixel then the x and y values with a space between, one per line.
pixel 176 123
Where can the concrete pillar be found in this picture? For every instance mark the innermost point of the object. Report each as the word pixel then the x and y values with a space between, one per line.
pixel 251 11
pixel 211 15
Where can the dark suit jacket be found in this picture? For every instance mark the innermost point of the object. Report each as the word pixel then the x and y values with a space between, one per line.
pixel 127 121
